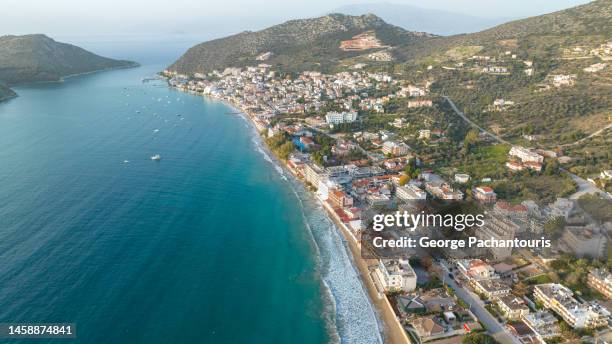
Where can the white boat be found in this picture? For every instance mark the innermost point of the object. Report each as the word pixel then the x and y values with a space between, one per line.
pixel 156 157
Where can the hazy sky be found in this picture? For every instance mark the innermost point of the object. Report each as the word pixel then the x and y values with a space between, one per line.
pixel 66 18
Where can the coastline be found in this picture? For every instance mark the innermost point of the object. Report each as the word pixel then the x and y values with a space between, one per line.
pixel 65 77
pixel 4 99
pixel 392 330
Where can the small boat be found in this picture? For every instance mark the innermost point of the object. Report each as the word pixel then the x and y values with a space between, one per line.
pixel 156 157
pixel 156 131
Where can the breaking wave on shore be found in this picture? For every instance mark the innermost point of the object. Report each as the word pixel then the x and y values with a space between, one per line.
pixel 350 315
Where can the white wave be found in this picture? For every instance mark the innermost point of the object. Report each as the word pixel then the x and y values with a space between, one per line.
pixel 348 305
pixel 356 319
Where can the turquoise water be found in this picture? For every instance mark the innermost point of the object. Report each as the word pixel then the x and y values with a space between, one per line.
pixel 212 244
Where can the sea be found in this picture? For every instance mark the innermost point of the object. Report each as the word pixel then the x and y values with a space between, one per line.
pixel 214 243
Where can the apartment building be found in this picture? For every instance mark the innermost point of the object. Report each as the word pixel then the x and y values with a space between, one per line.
pixel 512 307
pixel 560 299
pixel 396 274
pixel 341 117
pixel 601 280
pixel 410 192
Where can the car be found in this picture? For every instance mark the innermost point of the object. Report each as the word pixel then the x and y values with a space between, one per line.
pixel 451 275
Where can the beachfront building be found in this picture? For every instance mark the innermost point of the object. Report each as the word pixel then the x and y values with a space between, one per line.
pixel 560 299
pixel 396 275
pixel 601 280
pixel 334 117
pixel 313 174
pixel 339 198
pixel 427 328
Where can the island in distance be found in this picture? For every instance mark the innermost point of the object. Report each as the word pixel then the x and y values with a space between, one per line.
pixel 35 58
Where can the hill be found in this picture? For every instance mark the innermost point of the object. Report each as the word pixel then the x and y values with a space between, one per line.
pixel 414 18
pixel 32 58
pixel 538 35
pixel 318 43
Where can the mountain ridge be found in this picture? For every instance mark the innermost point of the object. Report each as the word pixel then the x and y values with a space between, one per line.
pixel 322 53
pixel 295 45
pixel 413 18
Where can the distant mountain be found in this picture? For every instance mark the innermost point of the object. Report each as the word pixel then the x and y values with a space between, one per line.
pixel 537 35
pixel 39 58
pixel 6 92
pixel 297 44
pixel 317 44
pixel 421 19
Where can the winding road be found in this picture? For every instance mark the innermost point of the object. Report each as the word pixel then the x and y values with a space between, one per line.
pixel 470 122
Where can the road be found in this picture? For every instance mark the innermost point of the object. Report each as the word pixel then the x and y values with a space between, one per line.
pixel 598 132
pixel 470 122
pixel 497 330
pixel 584 187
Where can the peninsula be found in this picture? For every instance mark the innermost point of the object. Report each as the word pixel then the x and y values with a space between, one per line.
pixel 36 58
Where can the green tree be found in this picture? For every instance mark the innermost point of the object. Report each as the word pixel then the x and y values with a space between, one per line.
pixel 285 149
pixel 478 338
pixel 554 227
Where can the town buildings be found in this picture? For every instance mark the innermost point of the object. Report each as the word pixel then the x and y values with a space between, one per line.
pixel 559 299
pixel 396 275
pixel 513 307
pixel 410 192
pixel 484 194
pixel 543 324
pixel 341 117
pixel 601 281
pixel 395 149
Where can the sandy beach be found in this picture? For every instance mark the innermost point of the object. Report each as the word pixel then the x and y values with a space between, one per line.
pixel 393 331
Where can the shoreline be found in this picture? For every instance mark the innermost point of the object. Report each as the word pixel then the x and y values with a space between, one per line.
pixel 392 330
pixel 65 77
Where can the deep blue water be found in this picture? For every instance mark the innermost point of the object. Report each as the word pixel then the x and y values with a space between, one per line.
pixel 212 244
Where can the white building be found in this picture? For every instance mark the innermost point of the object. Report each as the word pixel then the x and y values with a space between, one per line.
pixel 462 178
pixel 543 324
pixel 525 154
pixel 341 117
pixel 410 192
pixel 560 299
pixel 396 274
pixel 512 307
